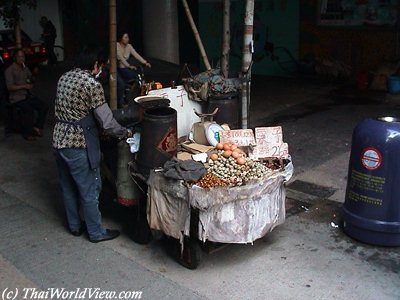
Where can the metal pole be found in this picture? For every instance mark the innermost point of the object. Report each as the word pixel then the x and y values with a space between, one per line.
pixel 247 55
pixel 196 35
pixel 113 54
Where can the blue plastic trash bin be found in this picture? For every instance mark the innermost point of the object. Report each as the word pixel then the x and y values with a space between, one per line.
pixel 371 212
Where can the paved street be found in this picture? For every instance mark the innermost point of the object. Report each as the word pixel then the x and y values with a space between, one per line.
pixel 307 257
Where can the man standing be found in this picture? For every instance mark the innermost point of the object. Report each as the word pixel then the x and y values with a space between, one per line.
pixel 49 37
pixel 80 105
pixel 19 84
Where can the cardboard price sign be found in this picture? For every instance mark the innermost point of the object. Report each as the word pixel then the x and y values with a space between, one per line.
pixel 269 135
pixel 281 150
pixel 240 137
pixel 269 143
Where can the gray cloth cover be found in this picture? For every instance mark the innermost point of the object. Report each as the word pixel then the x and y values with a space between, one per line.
pixel 187 170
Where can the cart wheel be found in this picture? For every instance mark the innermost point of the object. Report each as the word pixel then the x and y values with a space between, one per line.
pixel 191 256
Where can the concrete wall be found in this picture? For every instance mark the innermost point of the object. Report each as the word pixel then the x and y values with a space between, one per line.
pixel 160 30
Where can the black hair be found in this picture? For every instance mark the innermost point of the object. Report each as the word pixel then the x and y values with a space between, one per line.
pixel 120 34
pixel 14 54
pixel 89 56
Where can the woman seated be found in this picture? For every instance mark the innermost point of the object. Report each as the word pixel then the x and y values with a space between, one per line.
pixel 126 69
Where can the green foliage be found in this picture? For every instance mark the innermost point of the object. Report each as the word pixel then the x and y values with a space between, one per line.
pixel 10 10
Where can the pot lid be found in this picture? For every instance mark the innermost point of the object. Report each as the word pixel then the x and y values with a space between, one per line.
pixel 142 99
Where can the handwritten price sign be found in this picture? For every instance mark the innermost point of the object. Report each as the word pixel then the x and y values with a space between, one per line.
pixel 240 137
pixel 270 143
pixel 281 150
pixel 269 135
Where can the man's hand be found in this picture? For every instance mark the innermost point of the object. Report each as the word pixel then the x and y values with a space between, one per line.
pixel 132 67
pixel 147 64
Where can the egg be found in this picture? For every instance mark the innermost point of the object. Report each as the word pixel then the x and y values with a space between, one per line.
pixel 227 146
pixel 214 156
pixel 227 153
pixel 234 147
pixel 237 150
pixel 241 161
pixel 219 146
pixel 235 154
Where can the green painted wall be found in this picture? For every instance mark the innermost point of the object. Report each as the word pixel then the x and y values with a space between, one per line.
pixel 275 21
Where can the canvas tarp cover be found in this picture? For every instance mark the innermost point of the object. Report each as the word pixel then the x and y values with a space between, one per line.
pixel 241 214
pixel 228 215
pixel 168 205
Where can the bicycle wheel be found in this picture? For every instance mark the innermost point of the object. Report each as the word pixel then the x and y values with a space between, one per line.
pixel 59 52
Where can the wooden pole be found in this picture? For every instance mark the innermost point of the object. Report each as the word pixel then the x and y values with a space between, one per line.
pixel 113 54
pixel 17 25
pixel 226 36
pixel 247 56
pixel 17 30
pixel 196 35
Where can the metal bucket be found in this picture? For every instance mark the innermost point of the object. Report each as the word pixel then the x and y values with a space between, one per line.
pixel 158 142
pixel 228 109
pixel 148 102
pixel 371 211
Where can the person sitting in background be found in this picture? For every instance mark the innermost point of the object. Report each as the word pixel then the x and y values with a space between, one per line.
pixel 19 84
pixel 126 69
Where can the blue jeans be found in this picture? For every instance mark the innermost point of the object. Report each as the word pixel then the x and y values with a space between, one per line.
pixel 81 188
pixel 128 74
pixel 124 75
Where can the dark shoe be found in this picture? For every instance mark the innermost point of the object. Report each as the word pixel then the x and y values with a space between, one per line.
pixel 109 235
pixel 78 232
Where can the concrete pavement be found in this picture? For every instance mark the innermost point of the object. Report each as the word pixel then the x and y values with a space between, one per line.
pixel 305 258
